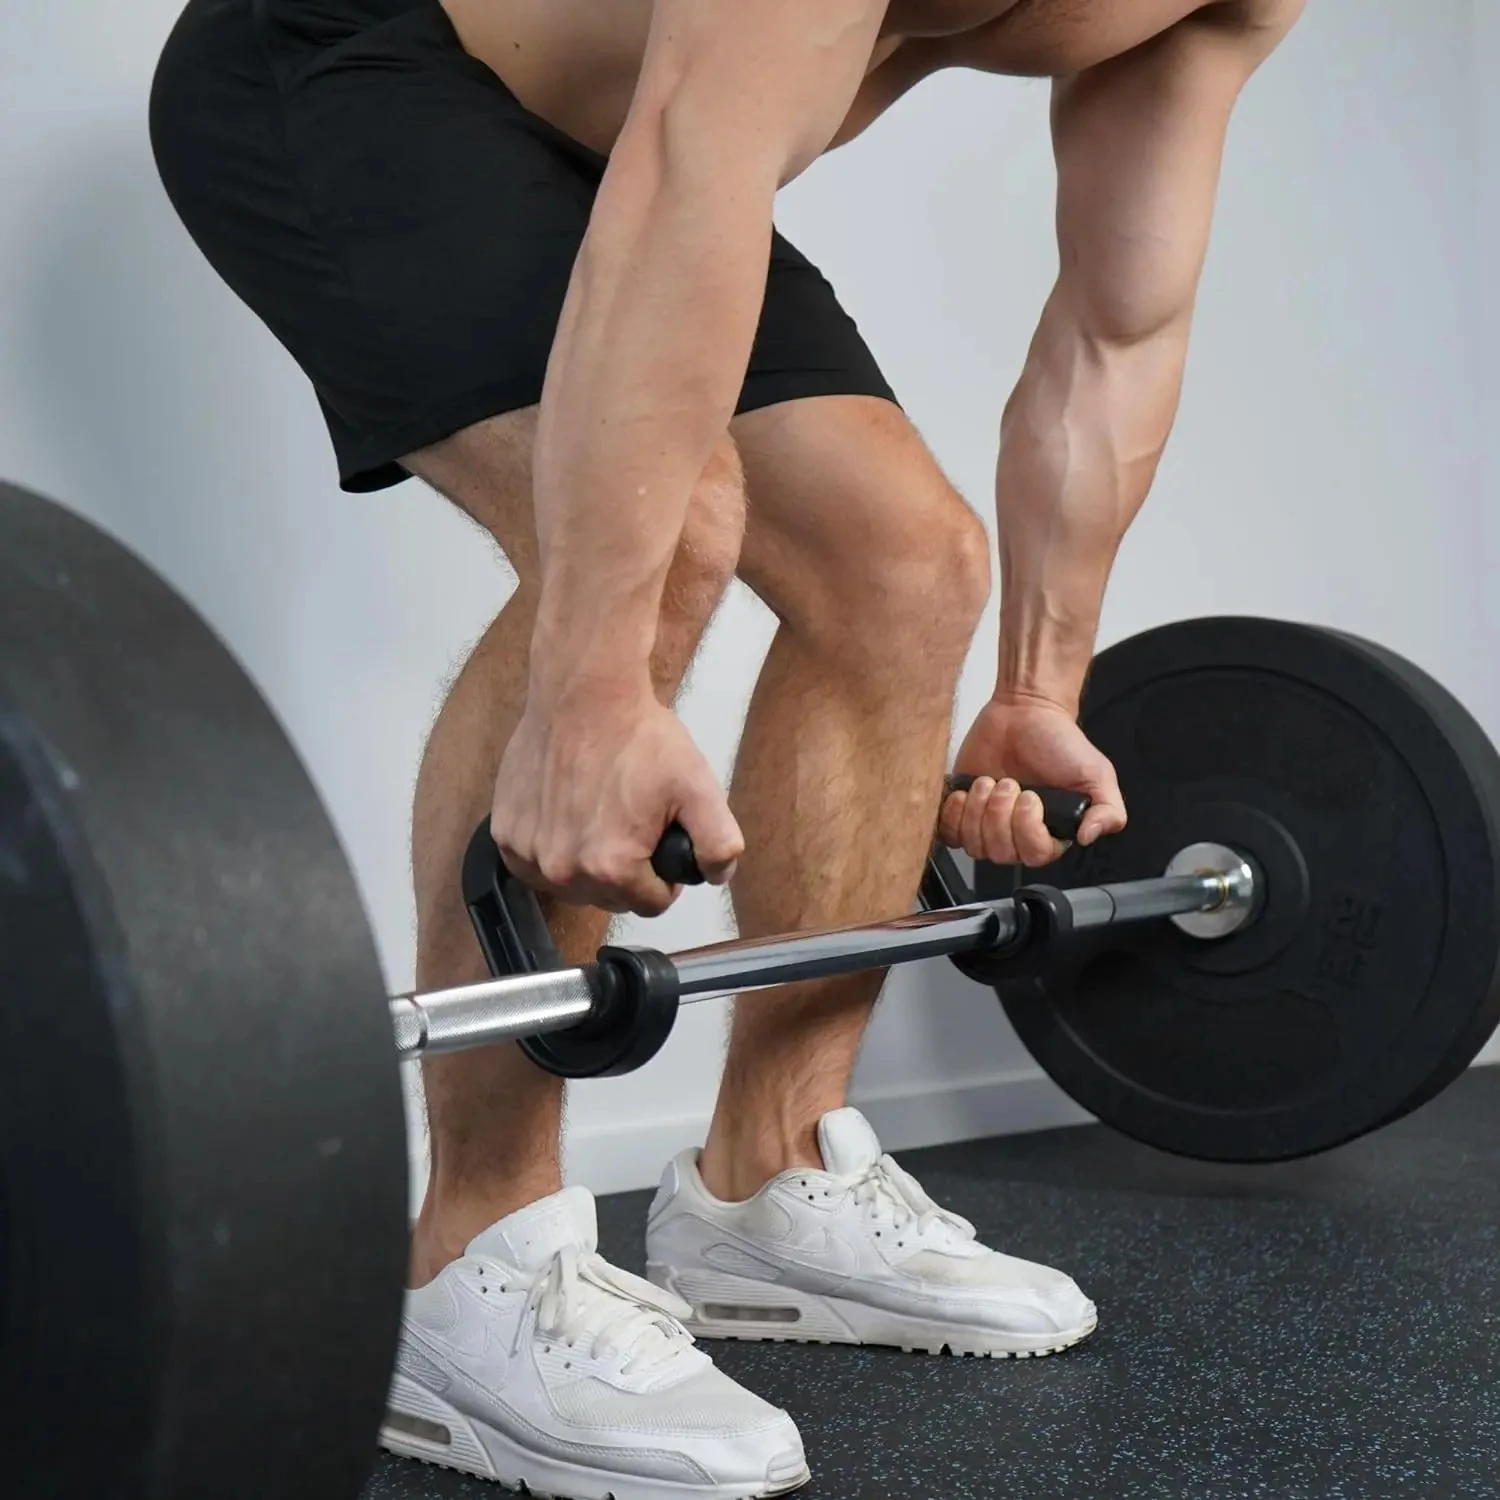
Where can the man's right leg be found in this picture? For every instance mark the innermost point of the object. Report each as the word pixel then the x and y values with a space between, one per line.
pixel 494 1116
pixel 525 1357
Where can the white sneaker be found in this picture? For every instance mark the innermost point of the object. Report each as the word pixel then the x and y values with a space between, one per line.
pixel 856 1254
pixel 534 1362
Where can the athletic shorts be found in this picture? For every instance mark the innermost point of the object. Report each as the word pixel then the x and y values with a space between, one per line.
pixel 405 228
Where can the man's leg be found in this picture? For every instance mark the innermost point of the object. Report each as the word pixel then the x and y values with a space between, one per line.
pixel 878 571
pixel 494 1116
pixel 791 1223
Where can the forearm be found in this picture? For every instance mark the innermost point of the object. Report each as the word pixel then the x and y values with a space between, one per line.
pixel 1080 443
pixel 1138 141
pixel 648 362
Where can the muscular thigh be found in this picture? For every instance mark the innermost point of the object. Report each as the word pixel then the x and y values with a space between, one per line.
pixel 485 470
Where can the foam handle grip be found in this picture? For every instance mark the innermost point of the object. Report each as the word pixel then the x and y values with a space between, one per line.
pixel 674 860
pixel 1061 811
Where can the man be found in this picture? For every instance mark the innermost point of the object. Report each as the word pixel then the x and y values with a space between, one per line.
pixel 524 250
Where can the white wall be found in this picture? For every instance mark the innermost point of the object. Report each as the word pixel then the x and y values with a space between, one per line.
pixel 1328 464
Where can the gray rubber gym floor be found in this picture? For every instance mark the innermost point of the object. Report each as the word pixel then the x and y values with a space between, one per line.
pixel 1322 1329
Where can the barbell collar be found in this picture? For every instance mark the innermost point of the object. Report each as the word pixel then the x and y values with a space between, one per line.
pixel 1145 900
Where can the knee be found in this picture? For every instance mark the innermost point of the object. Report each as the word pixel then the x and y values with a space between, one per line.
pixel 952 572
pixel 910 587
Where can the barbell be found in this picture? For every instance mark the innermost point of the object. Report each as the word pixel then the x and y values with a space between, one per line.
pixel 203 1220
pixel 613 1015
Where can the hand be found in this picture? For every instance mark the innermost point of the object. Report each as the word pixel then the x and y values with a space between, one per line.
pixel 1040 744
pixel 585 792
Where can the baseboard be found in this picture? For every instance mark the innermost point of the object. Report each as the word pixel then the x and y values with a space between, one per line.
pixel 629 1155
pixel 1002 1104
pixel 618 1159
pixel 622 1157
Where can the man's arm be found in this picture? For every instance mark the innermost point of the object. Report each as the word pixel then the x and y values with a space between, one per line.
pixel 655 335
pixel 1138 142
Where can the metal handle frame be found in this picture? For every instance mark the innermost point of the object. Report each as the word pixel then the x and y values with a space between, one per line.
pixel 506 1009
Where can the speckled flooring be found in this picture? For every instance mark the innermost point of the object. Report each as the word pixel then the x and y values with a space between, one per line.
pixel 1324 1330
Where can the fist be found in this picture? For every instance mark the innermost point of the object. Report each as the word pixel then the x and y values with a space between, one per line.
pixel 582 798
pixel 1038 744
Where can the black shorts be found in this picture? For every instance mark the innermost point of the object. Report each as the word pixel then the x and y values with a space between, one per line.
pixel 406 228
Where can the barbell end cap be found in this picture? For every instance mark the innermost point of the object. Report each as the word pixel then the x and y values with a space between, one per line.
pixel 1238 880
pixel 409 1024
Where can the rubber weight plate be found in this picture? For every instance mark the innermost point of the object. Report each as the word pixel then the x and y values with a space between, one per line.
pixel 1368 800
pixel 203 1172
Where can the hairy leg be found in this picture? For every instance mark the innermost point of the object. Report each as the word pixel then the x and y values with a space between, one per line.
pixel 494 1117
pixel 877 571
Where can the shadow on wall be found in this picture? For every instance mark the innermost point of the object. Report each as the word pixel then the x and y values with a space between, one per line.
pixel 153 402
pixel 176 421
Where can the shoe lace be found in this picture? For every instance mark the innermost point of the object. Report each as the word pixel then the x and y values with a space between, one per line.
pixel 894 1196
pixel 580 1295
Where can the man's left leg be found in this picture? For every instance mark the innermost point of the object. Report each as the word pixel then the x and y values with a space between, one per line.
pixel 877 571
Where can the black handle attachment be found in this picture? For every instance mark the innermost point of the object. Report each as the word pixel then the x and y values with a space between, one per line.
pixel 943 884
pixel 674 860
pixel 1061 811
pixel 516 940
pixel 504 909
pixel 634 990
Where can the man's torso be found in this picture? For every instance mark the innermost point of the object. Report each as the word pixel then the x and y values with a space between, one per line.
pixel 575 62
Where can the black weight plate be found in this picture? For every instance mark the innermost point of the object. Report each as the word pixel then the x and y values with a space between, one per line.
pixel 1370 801
pixel 1479 753
pixel 202 1149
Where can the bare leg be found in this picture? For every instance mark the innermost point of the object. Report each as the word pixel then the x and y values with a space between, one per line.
pixel 495 1118
pixel 878 572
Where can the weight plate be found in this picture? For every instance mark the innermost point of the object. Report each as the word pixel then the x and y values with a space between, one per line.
pixel 203 1167
pixel 1369 801
pixel 1479 752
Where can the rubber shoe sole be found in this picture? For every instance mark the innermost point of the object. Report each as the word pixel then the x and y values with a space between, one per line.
pixel 732 1307
pixel 422 1426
